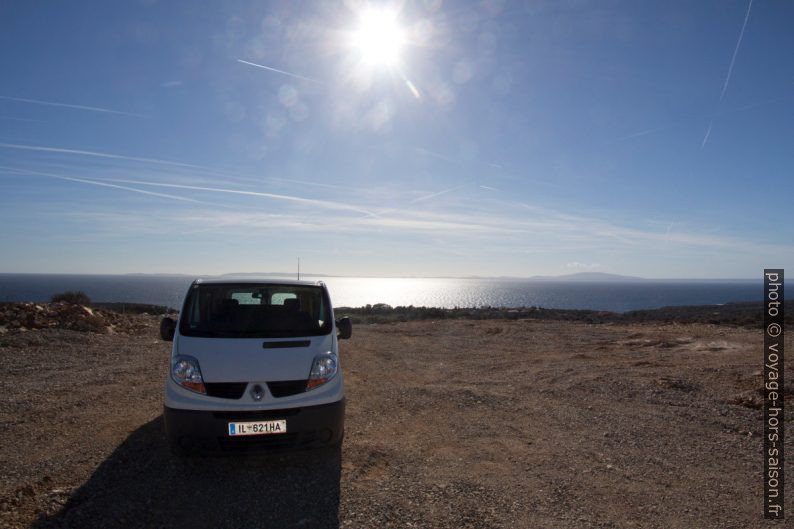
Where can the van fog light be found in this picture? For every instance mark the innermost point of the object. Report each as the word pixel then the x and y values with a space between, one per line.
pixel 186 372
pixel 323 369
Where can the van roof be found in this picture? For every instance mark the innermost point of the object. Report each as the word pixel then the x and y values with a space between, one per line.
pixel 259 280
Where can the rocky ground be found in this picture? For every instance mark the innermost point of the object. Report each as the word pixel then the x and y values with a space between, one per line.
pixel 21 317
pixel 454 423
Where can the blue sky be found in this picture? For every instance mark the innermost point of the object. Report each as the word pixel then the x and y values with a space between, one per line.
pixel 506 138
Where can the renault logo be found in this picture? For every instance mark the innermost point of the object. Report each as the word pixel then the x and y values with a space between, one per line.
pixel 257 392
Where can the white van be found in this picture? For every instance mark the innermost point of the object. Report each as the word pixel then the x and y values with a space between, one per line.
pixel 254 365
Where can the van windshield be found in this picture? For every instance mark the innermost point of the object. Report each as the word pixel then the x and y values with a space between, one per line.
pixel 255 311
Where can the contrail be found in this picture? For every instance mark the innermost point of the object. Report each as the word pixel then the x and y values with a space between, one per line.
pixel 327 204
pixel 437 193
pixel 296 76
pixel 434 154
pixel 22 119
pixel 736 50
pixel 156 161
pixel 150 193
pixel 209 170
pixel 65 105
pixel 100 155
pixel 638 134
pixel 14 170
pixel 415 200
pixel 730 70
pixel 706 137
pixel 304 182
pixel 102 184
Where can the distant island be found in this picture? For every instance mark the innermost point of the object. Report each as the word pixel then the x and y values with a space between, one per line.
pixel 588 276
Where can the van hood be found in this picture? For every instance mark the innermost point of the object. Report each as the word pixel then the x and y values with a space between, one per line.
pixel 254 359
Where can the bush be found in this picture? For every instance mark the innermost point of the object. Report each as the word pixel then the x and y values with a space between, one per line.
pixel 77 297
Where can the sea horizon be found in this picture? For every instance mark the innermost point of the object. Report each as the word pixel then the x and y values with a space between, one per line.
pixel 613 295
pixel 597 276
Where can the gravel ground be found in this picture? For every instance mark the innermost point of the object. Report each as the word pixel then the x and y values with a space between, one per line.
pixel 542 424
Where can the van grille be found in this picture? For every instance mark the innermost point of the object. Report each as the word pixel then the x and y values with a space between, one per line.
pixel 286 388
pixel 225 390
pixel 235 390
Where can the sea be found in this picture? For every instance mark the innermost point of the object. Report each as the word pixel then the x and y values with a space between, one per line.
pixel 616 296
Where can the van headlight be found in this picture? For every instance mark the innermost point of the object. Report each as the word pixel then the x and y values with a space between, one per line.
pixel 186 372
pixel 323 369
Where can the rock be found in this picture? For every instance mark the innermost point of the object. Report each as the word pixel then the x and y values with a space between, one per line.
pixel 21 317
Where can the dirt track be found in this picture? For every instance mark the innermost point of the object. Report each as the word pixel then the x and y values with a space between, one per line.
pixel 449 424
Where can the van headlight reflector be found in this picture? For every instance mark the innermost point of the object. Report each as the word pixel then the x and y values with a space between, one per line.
pixel 186 372
pixel 324 368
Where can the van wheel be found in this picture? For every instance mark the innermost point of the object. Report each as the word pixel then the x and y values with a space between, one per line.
pixel 167 329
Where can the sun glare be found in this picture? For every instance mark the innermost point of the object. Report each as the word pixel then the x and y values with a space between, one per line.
pixel 379 38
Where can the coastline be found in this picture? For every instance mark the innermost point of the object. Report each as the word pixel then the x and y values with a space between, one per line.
pixel 116 317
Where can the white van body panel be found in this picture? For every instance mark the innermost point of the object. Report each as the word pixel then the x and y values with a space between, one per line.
pixel 238 359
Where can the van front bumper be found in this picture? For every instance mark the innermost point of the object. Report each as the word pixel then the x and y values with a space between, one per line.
pixel 208 431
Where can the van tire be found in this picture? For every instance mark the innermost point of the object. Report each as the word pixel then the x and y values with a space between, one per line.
pixel 167 328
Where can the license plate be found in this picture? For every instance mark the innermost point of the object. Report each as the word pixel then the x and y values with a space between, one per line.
pixel 257 428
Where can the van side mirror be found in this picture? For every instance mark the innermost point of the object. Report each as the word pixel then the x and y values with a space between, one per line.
pixel 344 328
pixel 167 329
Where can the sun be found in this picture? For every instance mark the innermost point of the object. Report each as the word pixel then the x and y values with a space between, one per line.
pixel 379 39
